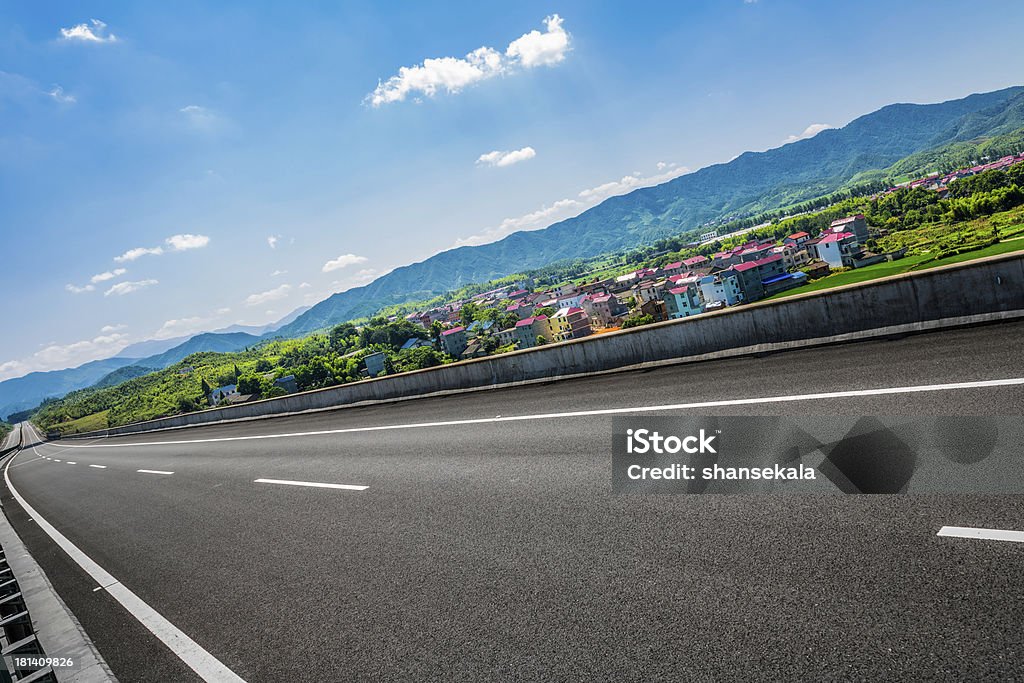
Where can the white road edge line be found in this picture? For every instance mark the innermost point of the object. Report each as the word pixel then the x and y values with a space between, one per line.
pixel 99 467
pixel 208 667
pixel 984 534
pixel 1017 381
pixel 154 471
pixel 286 482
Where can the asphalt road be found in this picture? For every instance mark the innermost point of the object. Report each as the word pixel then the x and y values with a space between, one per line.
pixel 496 550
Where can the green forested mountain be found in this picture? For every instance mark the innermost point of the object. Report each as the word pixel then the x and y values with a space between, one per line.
pixel 753 182
pixel 28 391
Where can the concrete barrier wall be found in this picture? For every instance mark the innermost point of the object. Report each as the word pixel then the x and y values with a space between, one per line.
pixel 991 285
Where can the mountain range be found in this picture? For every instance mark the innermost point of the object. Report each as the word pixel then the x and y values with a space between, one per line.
pixel 134 360
pixel 751 183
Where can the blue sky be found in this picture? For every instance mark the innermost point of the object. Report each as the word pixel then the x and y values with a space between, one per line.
pixel 267 155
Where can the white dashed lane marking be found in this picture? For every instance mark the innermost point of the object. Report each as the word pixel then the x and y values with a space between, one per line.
pixel 983 534
pixel 312 484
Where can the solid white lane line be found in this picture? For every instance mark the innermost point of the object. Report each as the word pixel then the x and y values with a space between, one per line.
pixel 1017 381
pixel 349 487
pixel 154 472
pixel 984 534
pixel 99 467
pixel 208 667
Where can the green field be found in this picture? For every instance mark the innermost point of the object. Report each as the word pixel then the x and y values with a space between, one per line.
pixel 84 424
pixel 905 265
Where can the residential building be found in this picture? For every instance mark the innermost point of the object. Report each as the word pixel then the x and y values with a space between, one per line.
pixel 604 310
pixel 529 329
pixel 454 341
pixel 696 263
pixel 375 364
pixel 648 290
pixel 723 287
pixel 682 302
pixel 414 343
pixel 782 282
pixel 858 225
pixel 797 239
pixel 569 323
pixel 670 269
pixel 570 300
pixel 506 337
pixel 655 309
pixel 222 393
pixel 288 383
pixel 836 247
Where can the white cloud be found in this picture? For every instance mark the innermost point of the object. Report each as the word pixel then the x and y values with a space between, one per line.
pixel 343 261
pixel 452 74
pixel 187 241
pixel 79 290
pixel 55 356
pixel 180 327
pixel 502 158
pixel 58 94
pixel 541 49
pixel 122 288
pixel 566 208
pixel 93 32
pixel 272 241
pixel 106 329
pixel 108 275
pixel 201 118
pixel 809 132
pixel 305 285
pixel 223 311
pixel 137 252
pixel 271 295
pixel 632 182
pixel 278 272
pixel 175 242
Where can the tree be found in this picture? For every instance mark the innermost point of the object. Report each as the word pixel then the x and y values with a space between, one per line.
pixel 637 320
pixel 468 313
pixel 341 335
pixel 436 328
pixel 545 310
pixel 205 386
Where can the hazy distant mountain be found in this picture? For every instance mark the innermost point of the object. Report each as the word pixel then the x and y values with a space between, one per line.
pixel 32 389
pixel 150 347
pixel 750 183
pixel 208 341
pixel 263 329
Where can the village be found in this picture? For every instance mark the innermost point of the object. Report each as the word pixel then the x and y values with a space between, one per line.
pixel 681 289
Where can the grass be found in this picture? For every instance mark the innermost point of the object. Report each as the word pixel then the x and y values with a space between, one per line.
pixel 905 265
pixel 84 424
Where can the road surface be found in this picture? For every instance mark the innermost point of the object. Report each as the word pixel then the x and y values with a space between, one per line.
pixel 483 548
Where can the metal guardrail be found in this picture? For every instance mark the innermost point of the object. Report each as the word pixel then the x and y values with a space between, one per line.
pixel 17 635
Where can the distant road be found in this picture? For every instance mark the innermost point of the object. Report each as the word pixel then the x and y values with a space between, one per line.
pixel 453 545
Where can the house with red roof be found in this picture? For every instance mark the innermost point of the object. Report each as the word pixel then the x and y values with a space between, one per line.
pixel 797 239
pixel 682 302
pixel 857 225
pixel 604 310
pixel 454 341
pixel 528 329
